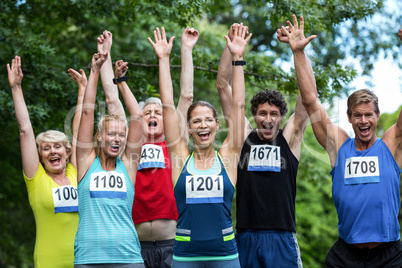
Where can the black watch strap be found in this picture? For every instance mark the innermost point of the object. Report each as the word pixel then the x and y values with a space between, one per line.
pixel 120 79
pixel 238 62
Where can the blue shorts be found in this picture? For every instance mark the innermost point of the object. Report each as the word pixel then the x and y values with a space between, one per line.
pixel 268 248
pixel 207 264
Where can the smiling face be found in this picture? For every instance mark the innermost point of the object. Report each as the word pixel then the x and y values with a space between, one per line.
pixel 364 122
pixel 112 138
pixel 203 126
pixel 152 122
pixel 268 119
pixel 53 156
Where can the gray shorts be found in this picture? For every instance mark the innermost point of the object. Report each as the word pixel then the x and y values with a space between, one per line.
pixel 157 253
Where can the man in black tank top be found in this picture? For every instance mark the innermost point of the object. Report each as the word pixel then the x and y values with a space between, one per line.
pixel 266 184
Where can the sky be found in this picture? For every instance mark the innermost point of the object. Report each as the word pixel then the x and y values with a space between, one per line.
pixel 386 79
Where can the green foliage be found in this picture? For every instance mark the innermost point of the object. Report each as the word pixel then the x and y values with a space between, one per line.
pixel 52 36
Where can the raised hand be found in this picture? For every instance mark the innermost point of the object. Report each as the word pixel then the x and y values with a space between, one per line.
pixel 232 30
pixel 239 42
pixel 105 41
pixel 120 69
pixel 98 59
pixel 282 37
pixel 161 46
pixel 295 34
pixel 400 34
pixel 189 37
pixel 79 78
pixel 15 72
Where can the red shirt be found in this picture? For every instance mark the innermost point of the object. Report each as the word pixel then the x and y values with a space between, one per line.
pixel 154 197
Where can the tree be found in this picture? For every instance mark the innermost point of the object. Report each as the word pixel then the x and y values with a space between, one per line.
pixel 52 36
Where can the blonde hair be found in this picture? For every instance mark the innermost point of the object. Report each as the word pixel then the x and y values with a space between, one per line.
pixel 53 136
pixel 362 96
pixel 101 128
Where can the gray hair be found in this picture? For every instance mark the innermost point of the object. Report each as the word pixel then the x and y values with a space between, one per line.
pixel 148 101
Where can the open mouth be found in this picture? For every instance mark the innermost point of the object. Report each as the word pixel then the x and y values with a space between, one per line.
pixel 152 123
pixel 364 130
pixel 54 161
pixel 204 135
pixel 114 148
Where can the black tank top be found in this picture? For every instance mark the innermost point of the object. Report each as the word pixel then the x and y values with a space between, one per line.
pixel 266 199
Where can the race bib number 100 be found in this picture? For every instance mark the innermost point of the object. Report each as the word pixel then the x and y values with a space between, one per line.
pixel 65 199
pixel 152 157
pixel 362 170
pixel 201 189
pixel 107 184
pixel 265 158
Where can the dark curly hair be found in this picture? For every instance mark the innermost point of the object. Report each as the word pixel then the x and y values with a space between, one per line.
pixel 273 97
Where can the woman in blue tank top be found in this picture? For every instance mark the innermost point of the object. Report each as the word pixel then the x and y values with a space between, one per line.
pixel 106 233
pixel 204 180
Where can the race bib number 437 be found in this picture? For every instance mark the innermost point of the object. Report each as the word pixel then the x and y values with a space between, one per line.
pixel 107 184
pixel 201 189
pixel 362 170
pixel 65 199
pixel 152 157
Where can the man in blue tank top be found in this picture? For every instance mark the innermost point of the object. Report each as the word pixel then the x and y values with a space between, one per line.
pixel 366 171
pixel 267 170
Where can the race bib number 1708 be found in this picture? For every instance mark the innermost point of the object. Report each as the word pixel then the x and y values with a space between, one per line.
pixel 362 170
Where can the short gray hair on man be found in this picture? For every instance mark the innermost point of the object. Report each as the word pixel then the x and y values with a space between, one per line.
pixel 148 101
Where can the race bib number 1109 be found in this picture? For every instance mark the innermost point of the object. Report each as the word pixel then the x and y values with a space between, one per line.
pixel 107 184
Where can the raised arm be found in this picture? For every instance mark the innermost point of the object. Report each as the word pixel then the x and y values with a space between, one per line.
pixel 81 80
pixel 188 39
pixel 177 146
pixel 113 102
pixel 295 126
pixel 235 137
pixel 29 152
pixel 133 147
pixel 393 136
pixel 224 81
pixel 85 148
pixel 330 136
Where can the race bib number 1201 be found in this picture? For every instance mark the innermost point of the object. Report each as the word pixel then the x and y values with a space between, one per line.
pixel 107 184
pixel 362 170
pixel 65 199
pixel 201 189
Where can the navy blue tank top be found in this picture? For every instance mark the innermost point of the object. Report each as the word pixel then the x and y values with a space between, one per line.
pixel 204 227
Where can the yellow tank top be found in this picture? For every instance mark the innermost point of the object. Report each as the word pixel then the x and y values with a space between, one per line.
pixel 55 229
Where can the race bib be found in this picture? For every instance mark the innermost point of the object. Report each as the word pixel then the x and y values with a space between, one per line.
pixel 264 158
pixel 107 184
pixel 65 199
pixel 152 157
pixel 362 170
pixel 201 189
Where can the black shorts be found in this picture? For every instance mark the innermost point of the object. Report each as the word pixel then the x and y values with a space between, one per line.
pixel 157 253
pixel 345 255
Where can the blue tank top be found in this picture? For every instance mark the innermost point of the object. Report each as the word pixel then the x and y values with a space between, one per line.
pixel 365 189
pixel 106 232
pixel 204 227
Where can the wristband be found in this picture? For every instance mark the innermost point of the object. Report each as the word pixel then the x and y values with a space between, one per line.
pixel 120 79
pixel 238 62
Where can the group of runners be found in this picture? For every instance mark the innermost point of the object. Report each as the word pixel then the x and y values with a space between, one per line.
pixel 82 194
